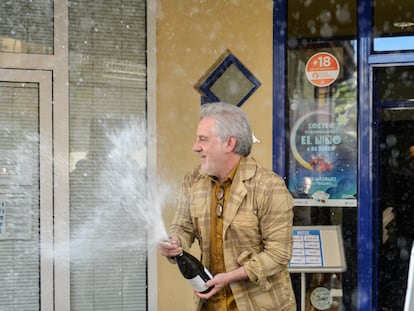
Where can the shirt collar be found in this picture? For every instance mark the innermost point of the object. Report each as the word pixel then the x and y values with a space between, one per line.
pixel 230 177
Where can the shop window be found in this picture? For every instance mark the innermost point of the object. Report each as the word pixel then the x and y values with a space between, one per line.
pixel 322 145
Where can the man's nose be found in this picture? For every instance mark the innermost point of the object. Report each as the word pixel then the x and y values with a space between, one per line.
pixel 196 147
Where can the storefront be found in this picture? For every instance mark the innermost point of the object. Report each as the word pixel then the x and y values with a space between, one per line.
pixel 344 90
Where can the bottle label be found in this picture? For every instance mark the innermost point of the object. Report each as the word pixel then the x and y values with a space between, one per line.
pixel 321 298
pixel 198 284
pixel 208 273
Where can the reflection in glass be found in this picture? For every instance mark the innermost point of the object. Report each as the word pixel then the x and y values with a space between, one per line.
pixel 26 26
pixel 396 84
pixel 321 19
pixel 393 26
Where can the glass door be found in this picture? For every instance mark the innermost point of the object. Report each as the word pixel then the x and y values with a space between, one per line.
pixel 394 158
pixel 26 209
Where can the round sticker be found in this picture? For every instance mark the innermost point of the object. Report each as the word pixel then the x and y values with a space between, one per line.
pixel 322 69
pixel 321 298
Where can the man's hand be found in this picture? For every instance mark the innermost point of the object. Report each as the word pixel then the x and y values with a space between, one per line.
pixel 221 280
pixel 171 248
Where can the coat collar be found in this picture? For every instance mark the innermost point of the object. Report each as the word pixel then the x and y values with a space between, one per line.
pixel 238 192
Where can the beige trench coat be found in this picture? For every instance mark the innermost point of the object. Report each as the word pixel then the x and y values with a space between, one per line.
pixel 257 232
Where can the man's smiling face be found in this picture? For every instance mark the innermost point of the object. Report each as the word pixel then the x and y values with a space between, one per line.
pixel 209 146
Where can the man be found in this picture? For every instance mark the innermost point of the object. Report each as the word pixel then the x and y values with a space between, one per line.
pixel 303 214
pixel 240 213
pixel 302 189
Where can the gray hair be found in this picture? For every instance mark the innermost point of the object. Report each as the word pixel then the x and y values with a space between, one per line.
pixel 230 121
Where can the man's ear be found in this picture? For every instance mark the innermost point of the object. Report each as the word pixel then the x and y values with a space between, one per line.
pixel 231 143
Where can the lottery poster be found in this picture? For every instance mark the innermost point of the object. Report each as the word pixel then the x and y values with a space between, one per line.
pixel 322 159
pixel 323 155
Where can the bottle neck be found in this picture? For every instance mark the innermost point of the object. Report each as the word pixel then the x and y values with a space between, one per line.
pixel 179 255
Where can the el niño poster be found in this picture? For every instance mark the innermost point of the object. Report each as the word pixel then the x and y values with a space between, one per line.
pixel 323 144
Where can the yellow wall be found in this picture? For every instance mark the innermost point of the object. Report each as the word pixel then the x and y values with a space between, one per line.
pixel 191 36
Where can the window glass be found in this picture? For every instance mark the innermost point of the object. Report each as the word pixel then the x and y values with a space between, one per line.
pixel 395 158
pixel 395 84
pixel 107 82
pixel 393 25
pixel 19 196
pixel 322 134
pixel 26 26
pixel 321 19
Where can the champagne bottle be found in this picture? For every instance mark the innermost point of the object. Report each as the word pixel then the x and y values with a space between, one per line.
pixel 194 272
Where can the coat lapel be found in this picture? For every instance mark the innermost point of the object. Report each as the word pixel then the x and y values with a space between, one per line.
pixel 238 190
